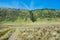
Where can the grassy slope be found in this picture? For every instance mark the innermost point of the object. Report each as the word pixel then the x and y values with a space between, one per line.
pixel 28 30
pixel 47 30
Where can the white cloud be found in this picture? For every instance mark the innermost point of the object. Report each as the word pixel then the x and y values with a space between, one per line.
pixel 21 5
pixel 24 5
pixel 31 5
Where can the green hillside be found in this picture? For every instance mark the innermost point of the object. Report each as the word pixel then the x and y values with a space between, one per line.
pixel 38 24
pixel 21 15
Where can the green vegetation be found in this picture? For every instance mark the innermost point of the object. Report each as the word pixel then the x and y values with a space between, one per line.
pixel 39 24
pixel 17 15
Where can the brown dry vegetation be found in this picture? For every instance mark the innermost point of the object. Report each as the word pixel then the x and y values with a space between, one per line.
pixel 30 31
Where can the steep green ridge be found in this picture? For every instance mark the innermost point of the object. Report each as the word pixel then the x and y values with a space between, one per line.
pixel 14 15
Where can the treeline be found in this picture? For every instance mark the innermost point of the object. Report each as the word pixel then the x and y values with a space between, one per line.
pixel 8 14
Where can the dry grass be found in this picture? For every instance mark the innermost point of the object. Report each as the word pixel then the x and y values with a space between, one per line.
pixel 31 31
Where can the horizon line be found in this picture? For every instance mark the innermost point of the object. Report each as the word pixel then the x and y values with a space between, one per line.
pixel 28 9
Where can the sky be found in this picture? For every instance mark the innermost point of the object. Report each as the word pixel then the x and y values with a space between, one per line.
pixel 30 4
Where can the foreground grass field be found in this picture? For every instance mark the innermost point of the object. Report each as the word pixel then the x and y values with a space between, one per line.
pixel 30 31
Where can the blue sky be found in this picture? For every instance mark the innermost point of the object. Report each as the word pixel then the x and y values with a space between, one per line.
pixel 30 4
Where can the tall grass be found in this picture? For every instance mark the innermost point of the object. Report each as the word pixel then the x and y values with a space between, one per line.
pixel 30 31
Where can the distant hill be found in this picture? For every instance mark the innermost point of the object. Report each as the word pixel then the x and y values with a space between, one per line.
pixel 11 14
